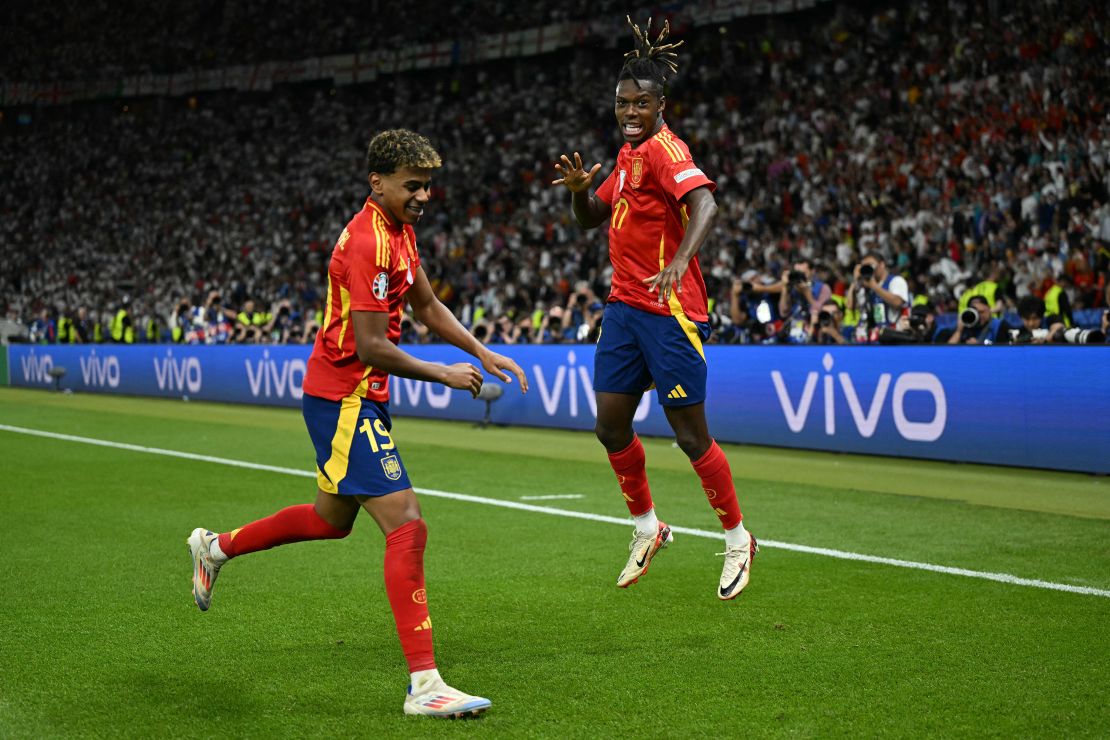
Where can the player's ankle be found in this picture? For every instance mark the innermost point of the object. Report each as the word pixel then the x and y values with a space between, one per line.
pixel 737 536
pixel 646 523
pixel 421 680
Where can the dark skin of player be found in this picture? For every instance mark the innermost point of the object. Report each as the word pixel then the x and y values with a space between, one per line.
pixel 639 109
pixel 403 196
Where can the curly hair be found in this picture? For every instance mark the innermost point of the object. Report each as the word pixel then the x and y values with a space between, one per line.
pixel 650 60
pixel 397 148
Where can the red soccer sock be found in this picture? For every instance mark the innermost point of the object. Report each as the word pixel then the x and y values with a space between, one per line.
pixel 404 585
pixel 628 464
pixel 291 524
pixel 716 481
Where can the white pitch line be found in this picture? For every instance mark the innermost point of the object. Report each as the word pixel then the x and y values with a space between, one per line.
pixel 552 497
pixel 623 521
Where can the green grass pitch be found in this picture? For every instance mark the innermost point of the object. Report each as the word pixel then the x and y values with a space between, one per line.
pixel 99 635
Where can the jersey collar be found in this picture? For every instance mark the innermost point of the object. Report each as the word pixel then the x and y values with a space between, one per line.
pixel 373 205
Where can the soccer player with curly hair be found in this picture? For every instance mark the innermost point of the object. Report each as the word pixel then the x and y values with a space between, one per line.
pixel 659 207
pixel 374 270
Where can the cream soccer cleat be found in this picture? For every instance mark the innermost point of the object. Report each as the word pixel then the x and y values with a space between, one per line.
pixel 641 550
pixel 205 567
pixel 437 699
pixel 738 566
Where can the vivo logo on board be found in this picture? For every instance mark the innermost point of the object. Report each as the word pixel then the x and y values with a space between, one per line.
pixel 866 420
pixel 178 374
pixel 271 378
pixel 100 372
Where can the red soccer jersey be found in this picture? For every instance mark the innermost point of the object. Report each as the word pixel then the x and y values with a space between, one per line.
pixel 648 221
pixel 372 268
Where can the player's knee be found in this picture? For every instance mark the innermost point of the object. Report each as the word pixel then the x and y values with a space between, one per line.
pixel 614 439
pixel 694 444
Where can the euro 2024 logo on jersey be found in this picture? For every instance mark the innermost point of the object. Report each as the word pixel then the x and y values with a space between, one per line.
pixel 381 286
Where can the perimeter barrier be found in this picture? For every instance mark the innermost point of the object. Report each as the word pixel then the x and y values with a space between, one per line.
pixel 1044 407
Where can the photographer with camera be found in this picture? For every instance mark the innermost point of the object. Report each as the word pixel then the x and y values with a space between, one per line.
pixel 975 324
pixel 827 326
pixel 879 296
pixel 1035 327
pixel 754 317
pixel 801 298
pixel 917 327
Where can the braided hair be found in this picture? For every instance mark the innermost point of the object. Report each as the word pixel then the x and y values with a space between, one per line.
pixel 652 61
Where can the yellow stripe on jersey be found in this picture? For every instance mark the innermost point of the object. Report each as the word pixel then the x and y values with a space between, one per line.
pixel 675 305
pixel 383 241
pixel 344 315
pixel 360 391
pixel 327 312
pixel 335 469
pixel 670 147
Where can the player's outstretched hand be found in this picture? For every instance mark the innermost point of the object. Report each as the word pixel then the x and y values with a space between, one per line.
pixel 496 365
pixel 574 176
pixel 465 377
pixel 667 279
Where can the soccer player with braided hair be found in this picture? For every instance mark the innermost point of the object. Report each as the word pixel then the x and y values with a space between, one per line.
pixel 374 270
pixel 659 207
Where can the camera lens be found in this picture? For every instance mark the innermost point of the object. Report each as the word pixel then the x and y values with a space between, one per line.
pixel 824 318
pixel 1084 336
pixel 969 317
pixel 866 271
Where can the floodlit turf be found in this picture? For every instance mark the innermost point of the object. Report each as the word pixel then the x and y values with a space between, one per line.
pixel 99 635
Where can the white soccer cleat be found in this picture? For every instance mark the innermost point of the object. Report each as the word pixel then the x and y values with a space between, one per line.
pixel 641 550
pixel 437 699
pixel 738 567
pixel 205 567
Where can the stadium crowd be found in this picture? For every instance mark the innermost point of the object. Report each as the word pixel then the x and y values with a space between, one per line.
pixel 139 37
pixel 879 174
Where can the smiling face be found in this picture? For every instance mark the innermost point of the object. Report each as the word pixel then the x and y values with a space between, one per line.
pixel 639 108
pixel 404 193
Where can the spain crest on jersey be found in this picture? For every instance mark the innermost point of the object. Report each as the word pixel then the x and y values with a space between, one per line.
pixel 637 171
pixel 392 467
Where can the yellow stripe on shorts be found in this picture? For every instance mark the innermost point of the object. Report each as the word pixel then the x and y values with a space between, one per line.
pixel 335 469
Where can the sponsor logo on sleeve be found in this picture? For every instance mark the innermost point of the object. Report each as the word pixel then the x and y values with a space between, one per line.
pixel 687 174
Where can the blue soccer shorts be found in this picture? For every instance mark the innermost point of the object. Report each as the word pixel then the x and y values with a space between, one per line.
pixel 637 349
pixel 355 453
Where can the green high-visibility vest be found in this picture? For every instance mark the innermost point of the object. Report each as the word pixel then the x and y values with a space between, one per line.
pixel 120 332
pixel 1052 304
pixel 987 289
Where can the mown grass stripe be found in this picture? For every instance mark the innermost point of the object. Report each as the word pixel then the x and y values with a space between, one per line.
pixel 623 521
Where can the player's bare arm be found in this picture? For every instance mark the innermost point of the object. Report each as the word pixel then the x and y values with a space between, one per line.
pixel 375 350
pixel 703 210
pixel 589 210
pixel 428 310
